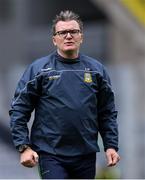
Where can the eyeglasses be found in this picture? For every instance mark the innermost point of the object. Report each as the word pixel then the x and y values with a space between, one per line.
pixel 63 34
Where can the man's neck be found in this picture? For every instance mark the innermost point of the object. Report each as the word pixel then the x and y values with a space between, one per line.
pixel 68 55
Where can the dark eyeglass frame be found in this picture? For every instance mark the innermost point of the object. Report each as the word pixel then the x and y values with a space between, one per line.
pixel 64 33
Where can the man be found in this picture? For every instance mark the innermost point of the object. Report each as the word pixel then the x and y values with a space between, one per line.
pixel 73 101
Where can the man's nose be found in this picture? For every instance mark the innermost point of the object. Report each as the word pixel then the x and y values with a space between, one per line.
pixel 68 35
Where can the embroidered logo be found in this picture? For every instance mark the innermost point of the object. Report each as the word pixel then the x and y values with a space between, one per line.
pixel 54 77
pixel 87 77
pixel 48 69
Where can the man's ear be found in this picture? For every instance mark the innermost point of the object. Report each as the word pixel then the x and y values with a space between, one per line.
pixel 54 41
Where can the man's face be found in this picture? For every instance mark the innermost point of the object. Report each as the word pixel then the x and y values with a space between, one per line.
pixel 68 37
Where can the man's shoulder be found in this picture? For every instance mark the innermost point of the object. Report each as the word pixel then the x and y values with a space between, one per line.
pixel 42 60
pixel 37 65
pixel 95 63
pixel 41 63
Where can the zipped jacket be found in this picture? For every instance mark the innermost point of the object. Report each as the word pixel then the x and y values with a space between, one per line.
pixel 73 101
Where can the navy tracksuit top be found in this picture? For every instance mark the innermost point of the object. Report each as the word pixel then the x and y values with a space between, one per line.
pixel 73 101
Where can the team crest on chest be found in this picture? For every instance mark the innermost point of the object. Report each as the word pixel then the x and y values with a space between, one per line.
pixel 87 77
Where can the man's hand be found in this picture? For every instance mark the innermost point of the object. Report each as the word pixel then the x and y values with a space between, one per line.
pixel 112 157
pixel 29 158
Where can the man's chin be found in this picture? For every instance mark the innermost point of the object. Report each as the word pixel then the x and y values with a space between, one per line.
pixel 70 50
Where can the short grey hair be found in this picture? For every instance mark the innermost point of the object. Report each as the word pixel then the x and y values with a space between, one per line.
pixel 67 16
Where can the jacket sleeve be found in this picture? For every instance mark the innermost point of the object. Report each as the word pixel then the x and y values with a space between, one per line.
pixel 23 103
pixel 107 114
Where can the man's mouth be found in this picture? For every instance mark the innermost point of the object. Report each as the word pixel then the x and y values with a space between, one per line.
pixel 68 43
